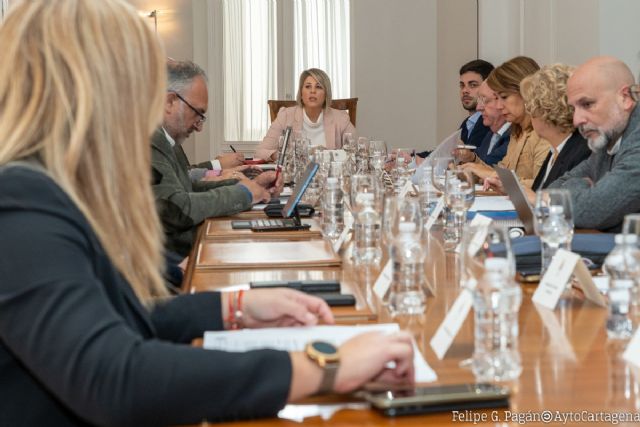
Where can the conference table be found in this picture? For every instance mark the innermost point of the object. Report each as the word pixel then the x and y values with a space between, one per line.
pixel 572 374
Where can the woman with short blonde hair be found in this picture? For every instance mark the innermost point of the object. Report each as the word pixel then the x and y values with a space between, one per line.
pixel 88 334
pixel 313 116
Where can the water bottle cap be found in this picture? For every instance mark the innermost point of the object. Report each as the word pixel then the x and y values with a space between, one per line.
pixel 556 209
pixel 629 239
pixel 496 264
pixel 407 227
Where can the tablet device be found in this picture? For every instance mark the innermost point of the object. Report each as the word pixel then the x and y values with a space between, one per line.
pixel 518 198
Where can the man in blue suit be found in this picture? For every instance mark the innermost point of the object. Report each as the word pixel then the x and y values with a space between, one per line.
pixel 472 74
pixel 495 143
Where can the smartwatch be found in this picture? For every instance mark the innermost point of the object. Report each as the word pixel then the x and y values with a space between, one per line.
pixel 326 356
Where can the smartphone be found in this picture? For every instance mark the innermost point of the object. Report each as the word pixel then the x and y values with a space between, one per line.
pixel 438 398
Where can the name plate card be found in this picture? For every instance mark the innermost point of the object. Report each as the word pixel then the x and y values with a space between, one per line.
pixel 563 265
pixel 408 187
pixel 632 353
pixel 481 223
pixel 450 326
pixel 383 282
pixel 435 213
pixel 348 226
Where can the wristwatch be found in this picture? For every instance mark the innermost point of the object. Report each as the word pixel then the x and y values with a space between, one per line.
pixel 327 357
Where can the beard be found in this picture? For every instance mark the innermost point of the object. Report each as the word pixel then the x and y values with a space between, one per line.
pixel 605 137
pixel 470 106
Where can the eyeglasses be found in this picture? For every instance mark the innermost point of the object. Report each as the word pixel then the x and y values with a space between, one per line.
pixel 203 118
pixel 634 90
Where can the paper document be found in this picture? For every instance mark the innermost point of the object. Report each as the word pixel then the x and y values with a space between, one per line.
pixel 294 339
pixel 492 203
pixel 444 149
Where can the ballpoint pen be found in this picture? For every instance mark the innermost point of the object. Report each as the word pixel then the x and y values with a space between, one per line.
pixel 232 149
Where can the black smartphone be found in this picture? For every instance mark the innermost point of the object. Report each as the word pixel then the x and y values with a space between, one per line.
pixel 336 299
pixel 438 398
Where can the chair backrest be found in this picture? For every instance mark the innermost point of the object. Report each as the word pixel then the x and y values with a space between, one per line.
pixel 348 104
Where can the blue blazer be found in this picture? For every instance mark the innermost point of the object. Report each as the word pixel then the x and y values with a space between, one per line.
pixel 477 135
pixel 499 150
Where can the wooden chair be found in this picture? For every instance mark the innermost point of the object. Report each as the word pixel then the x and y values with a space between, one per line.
pixel 348 104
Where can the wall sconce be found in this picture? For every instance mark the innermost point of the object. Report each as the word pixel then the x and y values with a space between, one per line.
pixel 151 14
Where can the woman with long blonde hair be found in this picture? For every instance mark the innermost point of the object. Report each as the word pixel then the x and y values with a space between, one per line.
pixel 88 334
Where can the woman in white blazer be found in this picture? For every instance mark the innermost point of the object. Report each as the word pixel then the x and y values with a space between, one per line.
pixel 313 116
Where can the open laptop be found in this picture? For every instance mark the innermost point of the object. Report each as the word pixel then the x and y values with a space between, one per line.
pixel 518 198
pixel 290 217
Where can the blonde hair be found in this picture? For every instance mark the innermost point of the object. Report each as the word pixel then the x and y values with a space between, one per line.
pixel 545 95
pixel 82 94
pixel 506 78
pixel 323 80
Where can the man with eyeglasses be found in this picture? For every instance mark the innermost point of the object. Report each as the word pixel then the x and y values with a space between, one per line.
pixel 182 203
pixel 495 143
pixel 606 186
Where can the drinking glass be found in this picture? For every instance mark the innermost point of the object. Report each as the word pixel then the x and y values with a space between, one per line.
pixel 377 155
pixel 553 238
pixel 362 183
pixel 438 172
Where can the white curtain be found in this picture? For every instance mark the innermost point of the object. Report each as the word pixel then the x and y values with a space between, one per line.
pixel 322 40
pixel 4 7
pixel 250 67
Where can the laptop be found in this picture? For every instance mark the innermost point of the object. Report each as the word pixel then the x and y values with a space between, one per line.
pixel 512 186
pixel 290 220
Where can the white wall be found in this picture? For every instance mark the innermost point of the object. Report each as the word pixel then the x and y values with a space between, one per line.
pixel 394 57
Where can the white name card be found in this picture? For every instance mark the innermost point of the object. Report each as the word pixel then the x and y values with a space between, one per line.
pixel 435 214
pixel 348 226
pixel 632 353
pixel 450 326
pixel 383 282
pixel 408 186
pixel 482 223
pixel 563 265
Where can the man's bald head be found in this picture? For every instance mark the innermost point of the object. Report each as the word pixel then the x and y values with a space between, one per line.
pixel 599 91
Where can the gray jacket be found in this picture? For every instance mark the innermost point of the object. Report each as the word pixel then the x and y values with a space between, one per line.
pixel 182 204
pixel 616 189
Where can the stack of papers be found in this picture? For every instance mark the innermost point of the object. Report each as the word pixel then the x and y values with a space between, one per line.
pixel 492 203
pixel 295 339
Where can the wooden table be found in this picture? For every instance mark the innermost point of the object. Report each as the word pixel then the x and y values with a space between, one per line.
pixel 568 363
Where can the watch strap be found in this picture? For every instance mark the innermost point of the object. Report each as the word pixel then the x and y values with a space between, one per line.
pixel 329 372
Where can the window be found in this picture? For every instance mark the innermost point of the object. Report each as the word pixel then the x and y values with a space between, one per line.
pixel 320 33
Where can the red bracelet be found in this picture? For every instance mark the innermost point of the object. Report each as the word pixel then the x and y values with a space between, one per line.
pixel 238 313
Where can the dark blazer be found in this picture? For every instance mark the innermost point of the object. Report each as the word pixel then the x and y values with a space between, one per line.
pixel 499 150
pixel 78 348
pixel 573 153
pixel 182 204
pixel 478 132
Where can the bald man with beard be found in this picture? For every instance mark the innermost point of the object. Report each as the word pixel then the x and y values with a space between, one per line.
pixel 606 186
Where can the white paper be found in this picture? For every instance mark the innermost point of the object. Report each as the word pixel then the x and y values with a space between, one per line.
pixel 383 282
pixel 450 326
pixel 555 279
pixel 295 339
pixel 444 149
pixel 298 413
pixel 632 353
pixel 492 203
pixel 434 214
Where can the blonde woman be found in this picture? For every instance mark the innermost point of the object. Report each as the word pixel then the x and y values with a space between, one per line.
pixel 313 116
pixel 526 151
pixel 88 334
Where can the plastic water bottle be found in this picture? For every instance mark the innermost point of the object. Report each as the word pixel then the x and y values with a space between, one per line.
pixel 333 209
pixel 555 233
pixel 427 193
pixel 407 288
pixel 623 269
pixel 367 231
pixel 496 301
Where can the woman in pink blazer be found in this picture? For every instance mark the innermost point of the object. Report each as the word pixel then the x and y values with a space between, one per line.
pixel 312 116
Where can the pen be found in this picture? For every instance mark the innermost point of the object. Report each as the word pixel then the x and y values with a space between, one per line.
pixel 233 149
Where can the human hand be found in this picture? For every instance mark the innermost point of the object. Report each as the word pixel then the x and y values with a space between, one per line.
pixel 278 307
pixel 258 192
pixel 494 183
pixel 365 358
pixel 230 160
pixel 463 155
pixel 268 180
pixel 478 170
